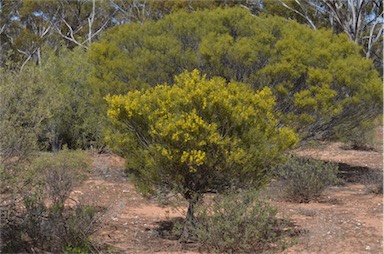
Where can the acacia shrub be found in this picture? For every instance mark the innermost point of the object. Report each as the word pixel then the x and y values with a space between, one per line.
pixel 199 135
pixel 323 86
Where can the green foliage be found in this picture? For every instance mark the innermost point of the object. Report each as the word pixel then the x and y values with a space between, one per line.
pixel 360 20
pixel 76 123
pixel 319 19
pixel 30 29
pixel 239 222
pixel 44 221
pixel 47 106
pixel 364 136
pixel 305 179
pixel 80 226
pixel 199 135
pixel 158 9
pixel 27 104
pixel 322 84
pixel 56 174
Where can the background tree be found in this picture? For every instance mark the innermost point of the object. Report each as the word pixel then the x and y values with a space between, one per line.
pixel 324 88
pixel 198 136
pixel 8 27
pixel 76 122
pixel 361 20
pixel 28 27
pixel 27 104
pixel 82 21
pixel 78 23
pixel 47 106
pixel 139 11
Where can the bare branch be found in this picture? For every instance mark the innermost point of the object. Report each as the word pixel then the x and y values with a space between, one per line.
pixel 10 38
pixel 25 62
pixel 334 12
pixel 45 31
pixel 2 29
pixel 100 29
pixel 91 19
pixel 23 52
pixel 71 38
pixel 373 39
pixel 310 22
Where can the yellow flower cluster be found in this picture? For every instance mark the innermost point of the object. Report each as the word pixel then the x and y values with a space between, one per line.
pixel 199 123
pixel 194 157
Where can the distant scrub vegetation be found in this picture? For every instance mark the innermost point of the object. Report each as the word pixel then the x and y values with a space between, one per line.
pixel 323 87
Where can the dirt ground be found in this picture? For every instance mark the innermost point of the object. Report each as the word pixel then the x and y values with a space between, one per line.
pixel 346 219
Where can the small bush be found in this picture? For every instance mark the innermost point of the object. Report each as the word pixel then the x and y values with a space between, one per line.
pixel 10 228
pixel 305 179
pixel 57 228
pixel 364 136
pixel 238 222
pixel 42 221
pixel 373 182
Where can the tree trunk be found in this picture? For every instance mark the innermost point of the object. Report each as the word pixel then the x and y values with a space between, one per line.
pixel 190 220
pixel 55 142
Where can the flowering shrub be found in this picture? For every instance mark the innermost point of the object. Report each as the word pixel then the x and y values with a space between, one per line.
pixel 198 135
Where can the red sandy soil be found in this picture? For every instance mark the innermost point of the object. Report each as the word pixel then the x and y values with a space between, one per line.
pixel 346 219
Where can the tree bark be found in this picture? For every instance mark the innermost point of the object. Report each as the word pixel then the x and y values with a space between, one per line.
pixel 190 220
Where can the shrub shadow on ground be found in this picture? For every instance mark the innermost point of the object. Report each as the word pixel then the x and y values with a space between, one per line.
pixel 355 174
pixel 167 229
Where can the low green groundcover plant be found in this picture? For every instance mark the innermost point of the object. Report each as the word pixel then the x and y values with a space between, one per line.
pixel 305 179
pixel 239 221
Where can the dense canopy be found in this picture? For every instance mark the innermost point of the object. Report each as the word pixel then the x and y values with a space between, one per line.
pixel 322 84
pixel 198 136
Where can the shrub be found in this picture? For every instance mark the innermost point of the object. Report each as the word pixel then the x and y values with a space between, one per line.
pixel 239 222
pixel 305 179
pixel 26 105
pixel 364 136
pixel 57 228
pixel 42 221
pixel 47 106
pixel 324 87
pixel 10 227
pixel 373 181
pixel 56 174
pixel 198 135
